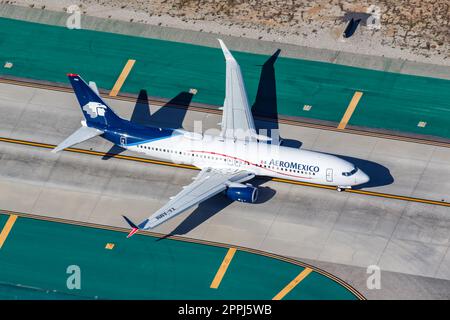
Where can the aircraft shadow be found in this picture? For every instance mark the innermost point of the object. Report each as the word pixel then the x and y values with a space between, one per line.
pixel 113 151
pixel 265 103
pixel 379 175
pixel 141 112
pixel 213 205
pixel 163 117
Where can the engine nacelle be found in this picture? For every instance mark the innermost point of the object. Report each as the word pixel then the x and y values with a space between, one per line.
pixel 246 193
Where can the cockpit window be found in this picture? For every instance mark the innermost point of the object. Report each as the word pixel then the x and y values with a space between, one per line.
pixel 350 173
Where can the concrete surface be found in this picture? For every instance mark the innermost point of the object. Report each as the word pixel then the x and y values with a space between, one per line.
pixel 342 231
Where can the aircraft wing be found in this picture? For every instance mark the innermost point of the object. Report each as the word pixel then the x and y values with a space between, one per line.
pixel 206 184
pixel 237 119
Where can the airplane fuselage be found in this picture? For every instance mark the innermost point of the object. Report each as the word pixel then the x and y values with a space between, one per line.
pixel 260 158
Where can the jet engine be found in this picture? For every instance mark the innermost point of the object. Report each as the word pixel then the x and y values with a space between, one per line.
pixel 242 192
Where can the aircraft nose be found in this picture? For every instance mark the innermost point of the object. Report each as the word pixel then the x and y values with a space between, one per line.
pixel 361 177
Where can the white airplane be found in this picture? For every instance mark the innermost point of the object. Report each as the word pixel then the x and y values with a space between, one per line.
pixel 227 160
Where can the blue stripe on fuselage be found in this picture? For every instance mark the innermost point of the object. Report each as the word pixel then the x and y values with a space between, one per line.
pixel 134 133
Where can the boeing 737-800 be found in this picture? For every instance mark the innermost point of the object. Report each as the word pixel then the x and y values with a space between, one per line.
pixel 227 160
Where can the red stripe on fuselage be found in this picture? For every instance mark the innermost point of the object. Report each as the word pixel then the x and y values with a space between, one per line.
pixel 253 164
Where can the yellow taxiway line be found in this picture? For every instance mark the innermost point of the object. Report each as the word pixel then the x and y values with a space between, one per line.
pixel 293 284
pixel 123 75
pixel 223 268
pixel 350 109
pixel 7 228
pixel 186 166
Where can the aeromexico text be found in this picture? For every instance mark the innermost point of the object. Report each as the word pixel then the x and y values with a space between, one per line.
pixel 293 165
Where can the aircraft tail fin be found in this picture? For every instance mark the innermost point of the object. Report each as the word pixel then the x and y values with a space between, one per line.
pixel 95 110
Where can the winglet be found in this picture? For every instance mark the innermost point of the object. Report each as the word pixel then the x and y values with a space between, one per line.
pixel 133 231
pixel 226 52
pixel 134 228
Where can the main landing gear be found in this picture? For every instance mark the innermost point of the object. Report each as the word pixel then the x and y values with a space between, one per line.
pixel 341 188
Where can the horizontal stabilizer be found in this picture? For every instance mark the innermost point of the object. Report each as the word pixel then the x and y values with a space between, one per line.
pixel 82 134
pixel 93 86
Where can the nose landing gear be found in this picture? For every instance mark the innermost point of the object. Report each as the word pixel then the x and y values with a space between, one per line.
pixel 342 188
